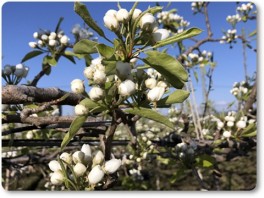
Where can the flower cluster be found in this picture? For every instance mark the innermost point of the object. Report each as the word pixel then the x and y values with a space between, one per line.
pixel 170 18
pixel 14 74
pixel 89 168
pixel 48 39
pixel 233 20
pixel 245 11
pixel 193 59
pixel 185 152
pixel 197 6
pixel 229 36
pixel 82 33
pixel 240 89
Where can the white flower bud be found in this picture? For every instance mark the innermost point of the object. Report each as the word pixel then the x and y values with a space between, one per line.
pixel 112 165
pixel 160 34
pixel 52 36
pixel 99 77
pixel 220 125
pixel 227 134
pixel 57 178
pixel 35 35
pixel 44 37
pixel 96 175
pixel 155 94
pixel 54 165
pixel 19 72
pixel 147 20
pixel 151 83
pixel 98 157
pixel 136 13
pixel 111 12
pixel 40 43
pixel 66 157
pixel 230 123
pixel 7 70
pixel 64 40
pixel 78 156
pixel 96 93
pixel 32 44
pixel 52 42
pixel 149 142
pixel 162 84
pixel 89 72
pixel 126 88
pixel 122 15
pixel 123 70
pixel 26 70
pixel 138 160
pixel 241 124
pixel 251 121
pixel 79 169
pixel 29 135
pixel 111 22
pixel 77 86
pixel 86 149
pixel 81 110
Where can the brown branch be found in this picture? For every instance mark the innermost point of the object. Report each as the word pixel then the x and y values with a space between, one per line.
pixel 13 94
pixel 207 22
pixel 252 99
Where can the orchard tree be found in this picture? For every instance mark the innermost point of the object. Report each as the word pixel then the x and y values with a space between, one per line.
pixel 131 79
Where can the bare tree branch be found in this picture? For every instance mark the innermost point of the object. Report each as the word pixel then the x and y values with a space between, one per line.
pixel 13 94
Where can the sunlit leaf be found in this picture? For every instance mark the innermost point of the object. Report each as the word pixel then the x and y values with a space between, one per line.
pixel 85 46
pixel 177 96
pixel 31 54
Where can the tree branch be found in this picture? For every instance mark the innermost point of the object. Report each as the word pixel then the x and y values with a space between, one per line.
pixel 13 94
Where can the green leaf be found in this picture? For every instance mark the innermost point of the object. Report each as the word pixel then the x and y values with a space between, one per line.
pixel 249 131
pixel 85 46
pixel 70 58
pixel 168 66
pixel 74 128
pixel 110 67
pixel 88 59
pixel 177 96
pixel 31 54
pixel 105 50
pixel 49 60
pixel 70 53
pixel 150 114
pixel 88 103
pixel 163 160
pixel 178 37
pixel 82 11
pixel 252 134
pixel 205 161
pixel 58 25
pixel 254 33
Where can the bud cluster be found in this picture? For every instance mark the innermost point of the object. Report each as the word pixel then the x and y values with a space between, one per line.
pixel 89 168
pixel 240 89
pixel 245 11
pixel 193 59
pixel 197 6
pixel 13 74
pixel 82 33
pixel 233 20
pixel 229 36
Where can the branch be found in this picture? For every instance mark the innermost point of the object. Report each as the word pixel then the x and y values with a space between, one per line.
pixel 252 99
pixel 207 22
pixel 13 94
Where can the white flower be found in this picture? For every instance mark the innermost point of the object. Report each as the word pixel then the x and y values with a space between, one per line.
pixel 35 35
pixel 112 165
pixel 230 124
pixel 57 178
pixel 40 43
pixel 89 72
pixel 220 125
pixel 86 149
pixel 123 70
pixel 136 13
pixel 26 70
pixel 7 70
pixel 96 175
pixel 162 84
pixel 66 157
pixel 52 42
pixel 111 22
pixel 81 110
pixel 98 157
pixel 29 135
pixel 111 12
pixel 77 86
pixel 227 134
pixel 54 165
pixel 160 34
pixel 79 169
pixel 155 94
pixel 19 72
pixel 241 124
pixel 44 37
pixel 78 156
pixel 96 93
pixel 151 83
pixel 64 40
pixel 99 77
pixel 146 21
pixel 52 36
pixel 32 44
pixel 122 15
pixel 126 88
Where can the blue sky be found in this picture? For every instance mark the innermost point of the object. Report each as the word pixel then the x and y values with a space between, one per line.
pixel 21 19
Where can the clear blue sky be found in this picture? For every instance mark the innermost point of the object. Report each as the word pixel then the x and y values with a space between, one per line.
pixel 21 19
